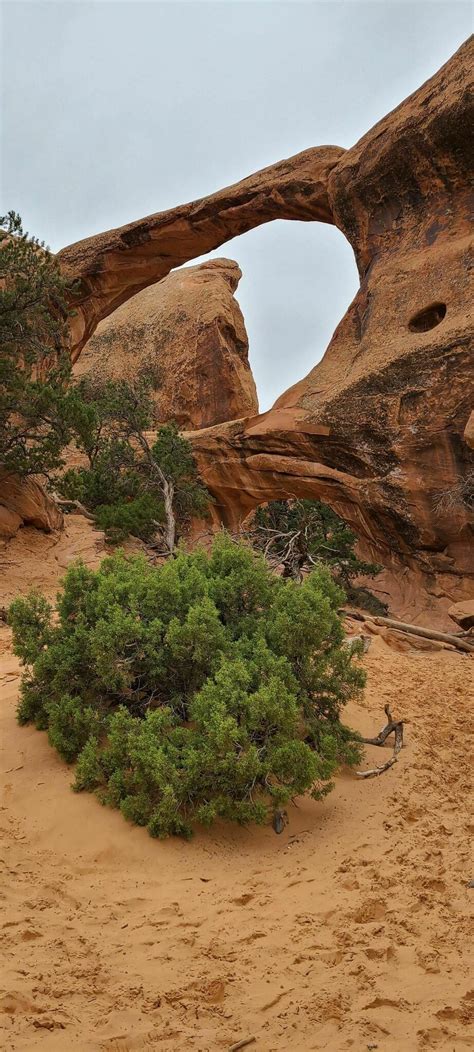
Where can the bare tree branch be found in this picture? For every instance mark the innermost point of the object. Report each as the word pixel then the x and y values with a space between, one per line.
pixel 393 727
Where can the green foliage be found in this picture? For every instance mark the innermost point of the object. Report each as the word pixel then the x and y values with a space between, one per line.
pixel 129 486
pixel 299 534
pixel 71 725
pixel 139 517
pixel 34 363
pixel 127 481
pixel 111 479
pixel 173 454
pixel 204 688
pixel 30 620
pixel 88 767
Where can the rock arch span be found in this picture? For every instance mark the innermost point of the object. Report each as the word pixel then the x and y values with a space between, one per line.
pixel 377 427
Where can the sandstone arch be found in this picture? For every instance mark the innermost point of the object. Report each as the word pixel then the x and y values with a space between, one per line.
pixel 111 267
pixel 377 427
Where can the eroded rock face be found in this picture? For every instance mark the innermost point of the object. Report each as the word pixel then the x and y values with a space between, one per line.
pixel 188 333
pixel 25 503
pixel 377 429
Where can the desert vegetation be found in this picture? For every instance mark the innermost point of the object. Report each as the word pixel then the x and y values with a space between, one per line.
pixel 206 687
pixel 35 366
pixel 296 535
pixel 128 484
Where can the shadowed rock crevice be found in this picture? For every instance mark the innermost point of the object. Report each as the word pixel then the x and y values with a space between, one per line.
pixel 428 318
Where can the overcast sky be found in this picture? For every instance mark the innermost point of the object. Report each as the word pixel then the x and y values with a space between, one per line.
pixel 112 110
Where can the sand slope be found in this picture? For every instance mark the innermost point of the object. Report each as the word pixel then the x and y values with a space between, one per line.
pixel 348 931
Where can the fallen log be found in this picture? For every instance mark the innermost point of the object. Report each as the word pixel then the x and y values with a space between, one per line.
pixel 414 630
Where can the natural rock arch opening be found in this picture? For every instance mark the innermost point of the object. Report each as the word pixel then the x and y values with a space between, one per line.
pixel 297 282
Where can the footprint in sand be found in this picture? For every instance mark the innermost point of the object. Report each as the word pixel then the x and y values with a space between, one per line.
pixel 372 910
pixel 30 934
pixel 15 1004
pixel 242 900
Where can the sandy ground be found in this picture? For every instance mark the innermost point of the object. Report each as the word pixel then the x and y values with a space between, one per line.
pixel 348 931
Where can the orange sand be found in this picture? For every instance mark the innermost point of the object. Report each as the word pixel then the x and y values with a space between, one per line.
pixel 348 931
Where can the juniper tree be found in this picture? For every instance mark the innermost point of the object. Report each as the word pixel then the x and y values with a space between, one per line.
pixel 300 534
pixel 35 365
pixel 132 484
pixel 207 687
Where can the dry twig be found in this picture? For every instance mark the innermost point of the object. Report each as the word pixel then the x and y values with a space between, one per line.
pixel 393 727
pixel 242 1044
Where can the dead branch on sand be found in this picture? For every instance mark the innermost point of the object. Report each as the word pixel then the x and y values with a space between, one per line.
pixel 393 727
pixel 242 1044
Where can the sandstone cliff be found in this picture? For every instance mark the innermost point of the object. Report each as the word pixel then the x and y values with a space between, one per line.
pixel 188 333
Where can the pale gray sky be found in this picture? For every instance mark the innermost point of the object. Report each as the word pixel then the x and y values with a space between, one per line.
pixel 112 110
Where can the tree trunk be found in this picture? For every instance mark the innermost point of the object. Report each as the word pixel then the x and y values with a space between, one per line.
pixel 170 530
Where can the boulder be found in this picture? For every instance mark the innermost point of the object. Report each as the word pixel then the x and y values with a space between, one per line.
pixel 10 522
pixel 189 335
pixel 463 614
pixel 25 502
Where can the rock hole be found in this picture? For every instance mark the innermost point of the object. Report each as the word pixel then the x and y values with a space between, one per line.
pixel 428 318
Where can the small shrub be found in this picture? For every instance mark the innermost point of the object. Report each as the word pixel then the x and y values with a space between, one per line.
pixel 204 688
pixel 299 534
pixel 71 724
pixel 30 619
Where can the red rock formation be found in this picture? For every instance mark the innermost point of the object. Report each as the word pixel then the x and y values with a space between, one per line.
pixel 25 503
pixel 394 391
pixel 377 428
pixel 469 431
pixel 111 267
pixel 189 333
